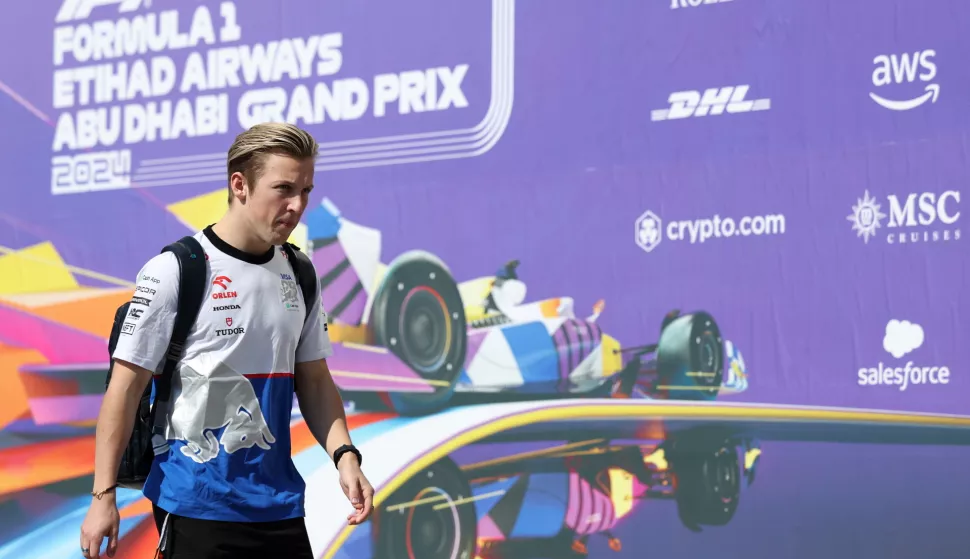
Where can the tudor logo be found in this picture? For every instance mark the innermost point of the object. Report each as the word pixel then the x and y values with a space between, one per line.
pixel 229 321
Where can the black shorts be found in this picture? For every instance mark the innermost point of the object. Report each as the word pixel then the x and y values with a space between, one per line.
pixel 189 538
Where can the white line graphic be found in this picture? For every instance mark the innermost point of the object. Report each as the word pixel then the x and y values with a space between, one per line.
pixel 385 150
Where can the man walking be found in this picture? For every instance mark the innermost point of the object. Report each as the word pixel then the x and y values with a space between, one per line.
pixel 223 483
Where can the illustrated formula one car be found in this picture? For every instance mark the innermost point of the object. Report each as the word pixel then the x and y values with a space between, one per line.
pixel 548 502
pixel 412 336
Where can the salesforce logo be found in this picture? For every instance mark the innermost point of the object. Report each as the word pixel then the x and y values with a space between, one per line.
pixel 903 337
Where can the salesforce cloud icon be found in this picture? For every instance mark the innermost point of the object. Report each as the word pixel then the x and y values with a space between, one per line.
pixel 902 337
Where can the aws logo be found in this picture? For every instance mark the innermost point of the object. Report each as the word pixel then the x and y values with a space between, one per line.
pixel 223 282
pixel 905 68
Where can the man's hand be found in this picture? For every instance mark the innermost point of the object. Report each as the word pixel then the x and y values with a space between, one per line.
pixel 356 487
pixel 102 521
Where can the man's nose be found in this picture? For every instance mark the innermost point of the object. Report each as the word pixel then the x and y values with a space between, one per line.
pixel 297 204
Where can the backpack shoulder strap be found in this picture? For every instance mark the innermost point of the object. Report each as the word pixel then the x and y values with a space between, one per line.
pixel 192 275
pixel 303 268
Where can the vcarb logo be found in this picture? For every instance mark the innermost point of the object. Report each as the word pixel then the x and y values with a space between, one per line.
pixel 900 69
pixel 649 229
pixel 714 101
pixel 924 217
pixel 902 338
pixel 674 4
pixel 81 9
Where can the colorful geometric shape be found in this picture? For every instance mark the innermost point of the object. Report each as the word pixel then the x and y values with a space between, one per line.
pixel 33 269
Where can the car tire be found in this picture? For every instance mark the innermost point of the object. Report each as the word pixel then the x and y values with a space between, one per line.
pixel 419 316
pixel 690 358
pixel 426 517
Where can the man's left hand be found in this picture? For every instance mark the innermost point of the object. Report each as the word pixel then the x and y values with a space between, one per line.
pixel 357 489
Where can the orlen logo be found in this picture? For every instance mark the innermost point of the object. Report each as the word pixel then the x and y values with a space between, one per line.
pixel 81 9
pixel 925 217
pixel 900 69
pixel 223 282
pixel 902 338
pixel 714 101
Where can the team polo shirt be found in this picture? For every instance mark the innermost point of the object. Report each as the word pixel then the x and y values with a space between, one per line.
pixel 227 454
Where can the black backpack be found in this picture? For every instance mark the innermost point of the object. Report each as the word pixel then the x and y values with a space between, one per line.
pixel 136 459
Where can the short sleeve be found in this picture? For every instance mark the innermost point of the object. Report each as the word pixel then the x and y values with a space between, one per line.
pixel 147 328
pixel 315 341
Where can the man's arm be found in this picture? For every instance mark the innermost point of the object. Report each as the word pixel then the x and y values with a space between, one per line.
pixel 116 420
pixel 322 406
pixel 323 411
pixel 139 350
pixel 141 346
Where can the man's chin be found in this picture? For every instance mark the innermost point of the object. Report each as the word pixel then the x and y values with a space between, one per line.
pixel 281 234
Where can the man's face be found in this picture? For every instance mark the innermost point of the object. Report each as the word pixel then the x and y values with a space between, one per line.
pixel 276 203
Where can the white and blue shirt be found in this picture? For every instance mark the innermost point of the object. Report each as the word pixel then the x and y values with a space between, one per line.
pixel 228 453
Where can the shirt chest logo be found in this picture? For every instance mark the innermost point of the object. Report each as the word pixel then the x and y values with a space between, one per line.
pixel 288 293
pixel 223 283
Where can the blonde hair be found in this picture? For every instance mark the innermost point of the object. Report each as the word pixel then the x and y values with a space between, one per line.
pixel 250 148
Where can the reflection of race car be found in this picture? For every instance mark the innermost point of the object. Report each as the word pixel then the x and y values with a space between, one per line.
pixel 548 502
pixel 410 333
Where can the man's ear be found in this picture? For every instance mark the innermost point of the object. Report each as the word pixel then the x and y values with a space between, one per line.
pixel 238 186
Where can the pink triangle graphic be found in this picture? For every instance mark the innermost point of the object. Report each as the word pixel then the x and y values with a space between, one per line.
pixel 488 530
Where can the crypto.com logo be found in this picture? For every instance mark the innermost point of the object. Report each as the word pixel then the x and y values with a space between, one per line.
pixel 81 9
pixel 649 231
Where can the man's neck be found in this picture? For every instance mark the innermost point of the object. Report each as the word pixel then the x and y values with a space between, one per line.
pixel 235 233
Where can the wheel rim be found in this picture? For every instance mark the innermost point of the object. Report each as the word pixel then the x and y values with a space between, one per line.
pixel 725 478
pixel 707 356
pixel 426 332
pixel 430 526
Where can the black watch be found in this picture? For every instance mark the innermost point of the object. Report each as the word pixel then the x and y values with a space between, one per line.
pixel 337 454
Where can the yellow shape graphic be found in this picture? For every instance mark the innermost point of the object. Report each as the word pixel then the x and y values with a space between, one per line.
pixel 621 491
pixel 201 211
pixel 34 269
pixel 299 237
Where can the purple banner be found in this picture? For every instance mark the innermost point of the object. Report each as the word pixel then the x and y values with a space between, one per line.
pixel 733 201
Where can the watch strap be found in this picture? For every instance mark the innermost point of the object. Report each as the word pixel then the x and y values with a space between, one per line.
pixel 338 454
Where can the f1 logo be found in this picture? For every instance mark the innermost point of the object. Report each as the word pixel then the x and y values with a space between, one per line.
pixel 81 9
